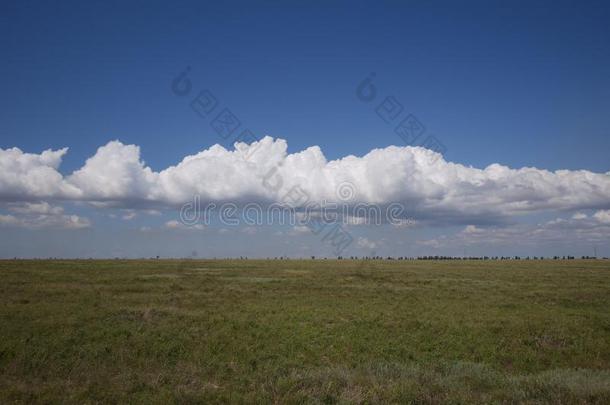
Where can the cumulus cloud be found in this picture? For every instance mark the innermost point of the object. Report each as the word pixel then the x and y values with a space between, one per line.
pixel 115 172
pixel 27 176
pixel 41 215
pixel 437 190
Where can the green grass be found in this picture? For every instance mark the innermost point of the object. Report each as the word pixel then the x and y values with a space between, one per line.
pixel 305 331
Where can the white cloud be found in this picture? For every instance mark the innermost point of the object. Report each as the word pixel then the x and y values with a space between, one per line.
pixel 115 172
pixel 173 224
pixel 299 230
pixel 26 176
pixel 366 243
pixel 405 223
pixel 353 220
pixel 42 208
pixel 589 230
pixel 471 230
pixel 9 220
pixel 42 215
pixel 439 191
pixel 603 216
pixel 64 221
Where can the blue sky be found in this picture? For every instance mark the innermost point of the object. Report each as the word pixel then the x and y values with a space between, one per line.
pixel 521 84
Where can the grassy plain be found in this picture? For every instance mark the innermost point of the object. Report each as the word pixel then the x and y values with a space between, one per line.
pixel 291 331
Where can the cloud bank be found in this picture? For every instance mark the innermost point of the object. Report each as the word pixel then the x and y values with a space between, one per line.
pixel 41 215
pixel 264 172
pixel 591 230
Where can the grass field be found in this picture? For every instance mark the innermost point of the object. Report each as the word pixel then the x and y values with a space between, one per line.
pixel 305 331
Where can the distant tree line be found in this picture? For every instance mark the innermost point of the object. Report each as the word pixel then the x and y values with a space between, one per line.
pixel 369 258
pixel 431 258
pixel 465 258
